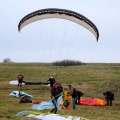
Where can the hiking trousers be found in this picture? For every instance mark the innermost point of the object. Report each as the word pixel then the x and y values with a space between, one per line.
pixel 55 106
pixel 74 103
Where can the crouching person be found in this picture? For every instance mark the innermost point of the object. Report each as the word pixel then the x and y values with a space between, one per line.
pixel 109 96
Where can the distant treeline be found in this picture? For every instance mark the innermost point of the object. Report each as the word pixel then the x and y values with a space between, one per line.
pixel 67 63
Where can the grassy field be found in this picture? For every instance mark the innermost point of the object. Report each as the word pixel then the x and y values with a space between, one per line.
pixel 92 79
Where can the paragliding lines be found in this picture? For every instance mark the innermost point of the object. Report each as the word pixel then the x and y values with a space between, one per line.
pixel 57 13
pixel 41 37
pixel 63 38
pixel 51 39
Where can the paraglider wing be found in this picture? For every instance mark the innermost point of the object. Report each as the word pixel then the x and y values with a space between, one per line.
pixel 59 13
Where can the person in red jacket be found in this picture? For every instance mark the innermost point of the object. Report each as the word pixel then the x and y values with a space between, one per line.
pixel 20 79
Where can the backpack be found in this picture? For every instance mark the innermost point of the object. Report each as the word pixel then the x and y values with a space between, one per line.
pixel 25 99
pixel 74 95
pixel 112 96
pixel 80 93
pixel 65 104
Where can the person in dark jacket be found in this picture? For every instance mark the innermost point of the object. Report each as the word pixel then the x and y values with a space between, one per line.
pixel 73 93
pixel 54 96
pixel 52 81
pixel 20 79
pixel 109 96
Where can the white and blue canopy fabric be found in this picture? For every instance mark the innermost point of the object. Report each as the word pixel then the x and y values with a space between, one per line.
pixel 42 116
pixel 51 116
pixel 15 82
pixel 61 14
pixel 47 116
pixel 46 105
pixel 42 106
pixel 19 94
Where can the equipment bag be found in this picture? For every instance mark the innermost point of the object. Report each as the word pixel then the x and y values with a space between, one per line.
pixel 26 99
pixel 65 104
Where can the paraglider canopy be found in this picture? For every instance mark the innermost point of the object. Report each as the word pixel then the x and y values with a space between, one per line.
pixel 62 14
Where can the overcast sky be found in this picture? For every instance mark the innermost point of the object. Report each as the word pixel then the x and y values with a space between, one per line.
pixel 57 39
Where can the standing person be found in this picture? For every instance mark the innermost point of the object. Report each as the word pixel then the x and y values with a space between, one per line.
pixel 54 96
pixel 79 93
pixel 73 93
pixel 109 96
pixel 52 81
pixel 20 79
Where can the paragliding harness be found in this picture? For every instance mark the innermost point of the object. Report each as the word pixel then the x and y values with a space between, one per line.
pixel 65 100
pixel 26 99
pixel 66 103
pixel 111 96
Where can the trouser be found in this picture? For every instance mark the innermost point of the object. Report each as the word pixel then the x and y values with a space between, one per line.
pixel 78 100
pixel 74 103
pixel 20 83
pixel 55 106
pixel 109 102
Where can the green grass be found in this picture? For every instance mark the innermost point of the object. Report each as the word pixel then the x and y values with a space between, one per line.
pixel 91 79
